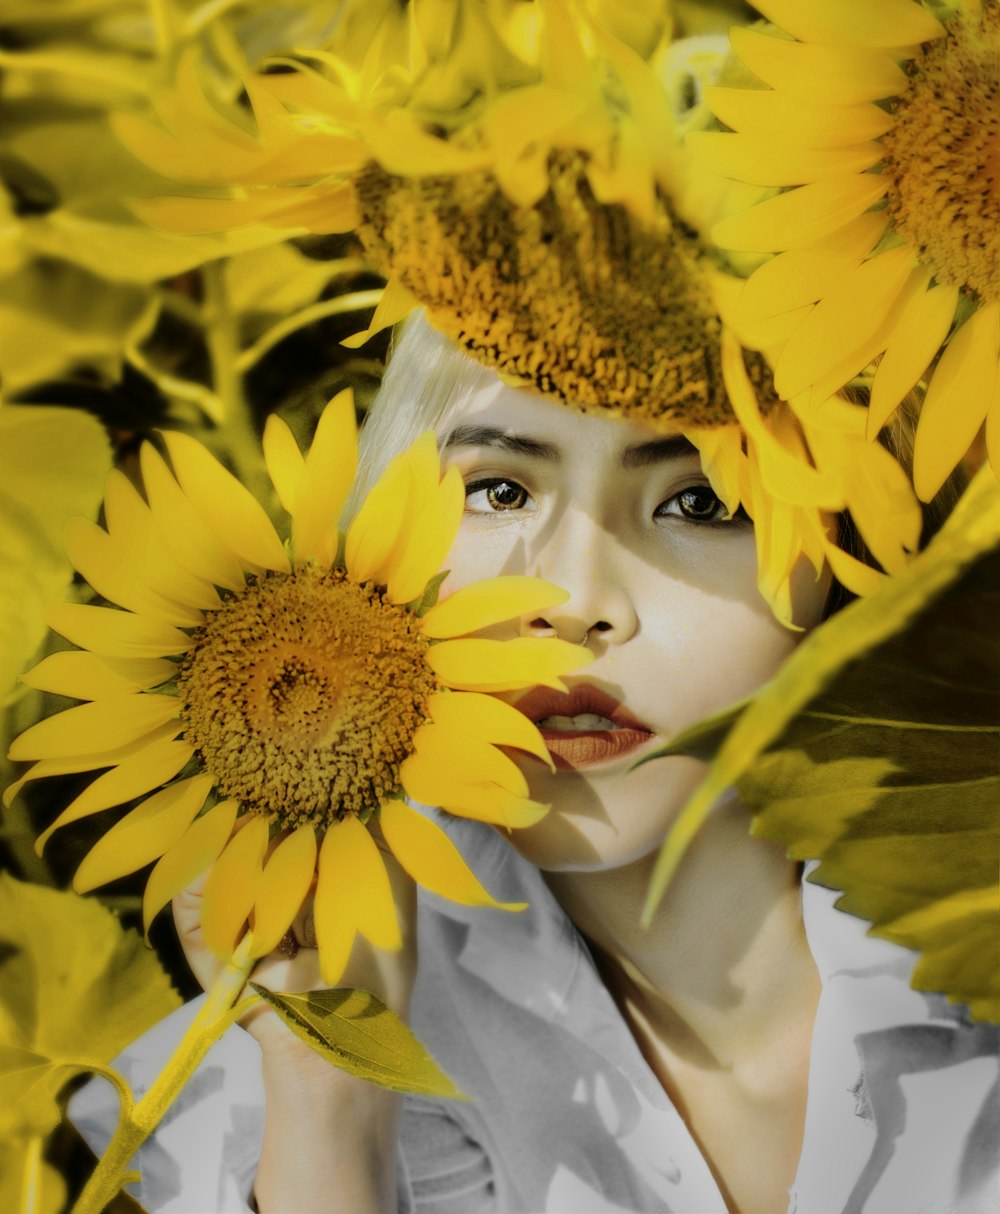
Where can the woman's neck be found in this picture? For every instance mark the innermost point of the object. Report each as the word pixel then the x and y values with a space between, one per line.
pixel 725 964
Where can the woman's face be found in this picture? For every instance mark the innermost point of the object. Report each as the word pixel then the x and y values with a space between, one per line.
pixel 661 585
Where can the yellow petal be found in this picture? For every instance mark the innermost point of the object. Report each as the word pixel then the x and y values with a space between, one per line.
pixel 66 765
pixel 396 302
pixel 890 23
pixel 993 427
pixel 923 326
pixel 333 912
pixel 859 578
pixel 431 859
pixel 115 634
pixel 764 161
pixel 285 464
pixel 425 782
pixel 228 507
pixel 422 467
pixel 783 473
pixel 132 778
pixel 765 113
pixel 841 322
pixel 182 529
pixel 136 544
pixel 232 886
pixel 84 676
pixel 330 467
pixel 957 399
pixel 94 727
pixel 480 665
pixel 196 850
pixel 465 757
pixel 806 274
pixel 484 717
pixel 829 75
pixel 491 601
pixel 144 834
pixel 431 540
pixel 282 888
pixel 94 555
pixel 374 532
pixel 802 215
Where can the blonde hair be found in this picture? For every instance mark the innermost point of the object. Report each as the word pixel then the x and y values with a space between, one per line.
pixel 426 378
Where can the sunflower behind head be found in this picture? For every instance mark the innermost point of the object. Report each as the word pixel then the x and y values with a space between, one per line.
pixel 270 702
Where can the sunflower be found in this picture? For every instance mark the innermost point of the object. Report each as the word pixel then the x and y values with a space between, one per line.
pixel 273 703
pixel 883 115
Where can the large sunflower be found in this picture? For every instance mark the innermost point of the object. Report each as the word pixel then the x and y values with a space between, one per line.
pixel 884 115
pixel 271 702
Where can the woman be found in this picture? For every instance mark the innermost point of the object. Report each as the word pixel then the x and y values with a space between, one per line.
pixel 753 1042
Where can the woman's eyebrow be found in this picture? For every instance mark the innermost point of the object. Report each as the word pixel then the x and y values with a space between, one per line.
pixel 658 450
pixel 489 436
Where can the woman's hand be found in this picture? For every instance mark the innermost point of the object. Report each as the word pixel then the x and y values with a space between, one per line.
pixel 326 1132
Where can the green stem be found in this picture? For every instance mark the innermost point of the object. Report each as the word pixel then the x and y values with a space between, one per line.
pixel 222 338
pixel 136 1124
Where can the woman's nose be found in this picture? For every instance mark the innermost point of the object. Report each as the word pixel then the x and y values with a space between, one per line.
pixel 583 558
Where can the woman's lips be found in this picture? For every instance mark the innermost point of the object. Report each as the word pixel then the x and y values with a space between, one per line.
pixel 613 733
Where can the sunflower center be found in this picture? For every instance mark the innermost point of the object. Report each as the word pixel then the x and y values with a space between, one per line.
pixel 301 695
pixel 943 155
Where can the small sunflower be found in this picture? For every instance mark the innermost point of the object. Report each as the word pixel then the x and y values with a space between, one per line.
pixel 884 115
pixel 271 702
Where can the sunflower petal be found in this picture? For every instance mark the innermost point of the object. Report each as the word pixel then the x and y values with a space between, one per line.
pixel 330 467
pixel 134 777
pixel 842 321
pixel 375 530
pixel 224 504
pixel 890 23
pixel 285 464
pixel 334 913
pixel 469 758
pixel 196 850
pixel 763 161
pixel 763 112
pixel 431 859
pixel 473 664
pixel 830 75
pixel 922 328
pixel 115 634
pixel 484 717
pixel 424 781
pixel 88 728
pixel 183 531
pixel 396 303
pixel 802 215
pixel 957 399
pixel 282 888
pixel 144 834
pixel 67 765
pixel 84 676
pixel 488 602
pixel 92 553
pixel 232 885
pixel 430 540
pixel 805 275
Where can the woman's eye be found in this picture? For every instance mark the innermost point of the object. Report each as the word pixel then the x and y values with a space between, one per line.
pixel 698 503
pixel 497 494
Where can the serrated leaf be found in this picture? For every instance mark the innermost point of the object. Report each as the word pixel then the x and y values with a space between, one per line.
pixel 874 750
pixel 356 1032
pixel 75 989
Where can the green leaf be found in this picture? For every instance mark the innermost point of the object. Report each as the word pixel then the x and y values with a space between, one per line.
pixel 874 750
pixel 75 989
pixel 356 1032
pixel 430 596
pixel 53 464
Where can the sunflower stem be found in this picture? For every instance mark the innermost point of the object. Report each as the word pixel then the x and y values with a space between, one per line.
pixel 137 1123
pixel 223 341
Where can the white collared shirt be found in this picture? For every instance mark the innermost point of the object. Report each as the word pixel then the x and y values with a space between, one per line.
pixel 566 1117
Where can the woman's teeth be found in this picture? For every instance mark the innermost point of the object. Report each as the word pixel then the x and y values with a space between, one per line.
pixel 585 722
